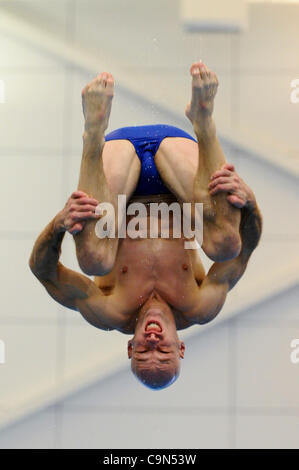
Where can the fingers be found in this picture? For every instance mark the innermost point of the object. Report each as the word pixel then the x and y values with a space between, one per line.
pixel 226 180
pixel 76 216
pixel 84 207
pixel 229 166
pixel 235 197
pixel 226 170
pixel 235 201
pixel 83 198
pixel 223 187
pixel 87 200
pixel 78 209
pixel 84 215
pixel 223 180
pixel 221 173
pixel 75 229
pixel 77 194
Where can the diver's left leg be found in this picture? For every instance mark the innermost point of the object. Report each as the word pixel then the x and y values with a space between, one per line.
pixel 107 170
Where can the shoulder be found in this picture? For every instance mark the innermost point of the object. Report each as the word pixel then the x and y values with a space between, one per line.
pixel 197 266
pixel 105 283
pixel 103 311
pixel 207 302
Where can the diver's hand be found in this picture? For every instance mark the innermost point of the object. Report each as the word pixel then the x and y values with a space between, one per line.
pixel 78 209
pixel 226 180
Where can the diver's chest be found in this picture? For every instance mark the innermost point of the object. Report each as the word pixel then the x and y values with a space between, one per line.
pixel 155 256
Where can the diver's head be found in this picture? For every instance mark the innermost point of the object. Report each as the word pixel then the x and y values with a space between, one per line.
pixel 155 350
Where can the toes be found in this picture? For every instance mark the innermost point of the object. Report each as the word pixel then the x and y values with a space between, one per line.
pixel 110 86
pixel 85 89
pixel 195 72
pixel 195 67
pixel 106 80
pixel 103 77
pixel 200 70
pixel 110 83
pixel 204 71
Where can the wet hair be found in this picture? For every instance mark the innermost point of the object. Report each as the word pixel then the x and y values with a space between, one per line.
pixel 155 379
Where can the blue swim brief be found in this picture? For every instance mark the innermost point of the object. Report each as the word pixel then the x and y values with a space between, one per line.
pixel 146 140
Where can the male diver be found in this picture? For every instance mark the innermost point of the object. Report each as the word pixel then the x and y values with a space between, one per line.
pixel 151 287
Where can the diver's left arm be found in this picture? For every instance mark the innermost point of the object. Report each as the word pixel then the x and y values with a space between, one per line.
pixel 223 276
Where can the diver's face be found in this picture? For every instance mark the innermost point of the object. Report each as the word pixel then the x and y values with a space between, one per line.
pixel 156 343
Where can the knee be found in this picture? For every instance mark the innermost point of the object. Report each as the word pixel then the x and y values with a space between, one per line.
pixel 224 245
pixel 94 262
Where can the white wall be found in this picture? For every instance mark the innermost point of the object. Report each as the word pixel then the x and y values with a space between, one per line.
pixel 237 389
pixel 40 144
pixel 146 39
pixel 40 151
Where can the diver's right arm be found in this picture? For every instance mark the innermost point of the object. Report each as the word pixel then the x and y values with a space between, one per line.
pixel 44 260
pixel 69 288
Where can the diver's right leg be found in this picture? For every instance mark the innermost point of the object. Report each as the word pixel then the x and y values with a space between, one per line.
pixel 221 240
pixel 107 169
pixel 186 168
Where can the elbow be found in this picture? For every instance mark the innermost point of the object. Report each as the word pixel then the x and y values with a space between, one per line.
pixel 34 270
pixel 32 265
pixel 204 321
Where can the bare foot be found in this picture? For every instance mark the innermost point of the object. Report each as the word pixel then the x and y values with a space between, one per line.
pixel 204 89
pixel 97 100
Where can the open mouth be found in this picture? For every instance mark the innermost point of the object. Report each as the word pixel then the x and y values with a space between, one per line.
pixel 153 326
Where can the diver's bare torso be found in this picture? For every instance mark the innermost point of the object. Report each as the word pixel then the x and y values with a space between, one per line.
pixel 145 266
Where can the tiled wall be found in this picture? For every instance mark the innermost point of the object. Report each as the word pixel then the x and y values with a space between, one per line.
pixel 238 388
